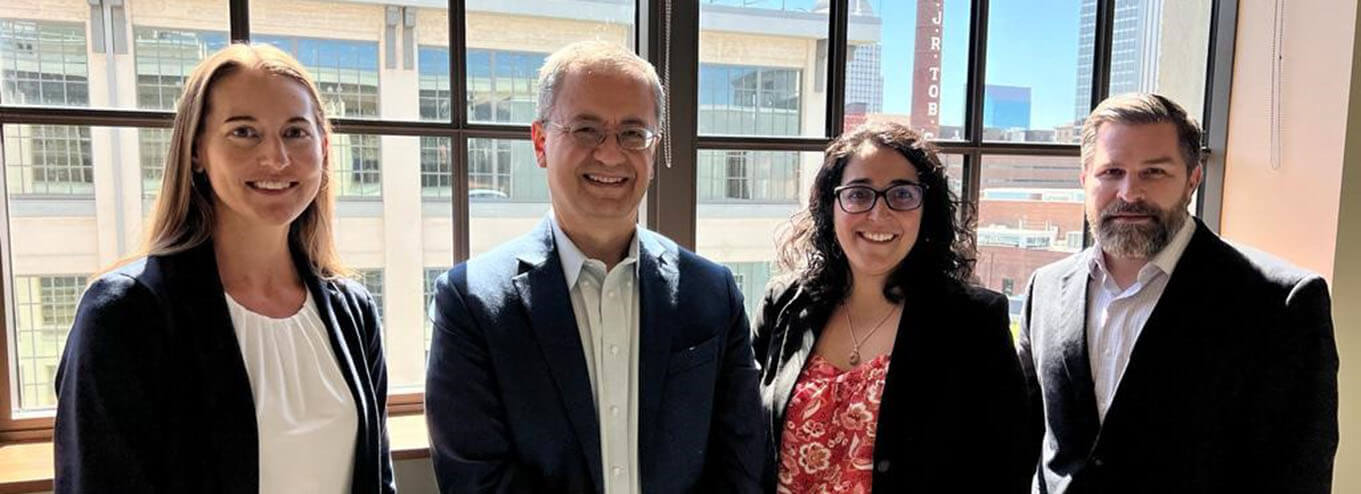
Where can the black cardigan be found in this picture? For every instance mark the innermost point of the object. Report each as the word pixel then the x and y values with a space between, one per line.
pixel 153 395
pixel 953 414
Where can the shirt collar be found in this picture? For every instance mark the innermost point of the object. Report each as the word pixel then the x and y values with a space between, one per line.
pixel 1164 261
pixel 573 259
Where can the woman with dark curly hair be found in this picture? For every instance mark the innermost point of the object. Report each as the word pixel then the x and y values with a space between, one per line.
pixel 879 270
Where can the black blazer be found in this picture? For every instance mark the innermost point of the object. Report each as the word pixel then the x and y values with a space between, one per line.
pixel 1231 387
pixel 953 412
pixel 508 399
pixel 153 395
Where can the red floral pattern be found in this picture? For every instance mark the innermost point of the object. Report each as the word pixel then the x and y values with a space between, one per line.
pixel 829 428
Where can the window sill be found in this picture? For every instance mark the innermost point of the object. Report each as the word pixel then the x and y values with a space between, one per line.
pixel 27 467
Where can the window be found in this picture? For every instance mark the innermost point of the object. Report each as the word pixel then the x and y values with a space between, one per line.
pixel 434 84
pixel 428 297
pixel 372 279
pixel 43 63
pixel 45 308
pixel 152 146
pixel 356 166
pixel 164 59
pixel 761 176
pixel 432 160
pixel 748 100
pixel 346 71
pixel 436 177
pixel 503 86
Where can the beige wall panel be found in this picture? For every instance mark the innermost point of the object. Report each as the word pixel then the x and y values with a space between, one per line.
pixel 537 34
pixel 751 49
pixel 55 245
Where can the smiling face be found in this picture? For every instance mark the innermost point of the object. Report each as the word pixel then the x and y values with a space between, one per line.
pixel 876 241
pixel 261 147
pixel 1137 188
pixel 592 186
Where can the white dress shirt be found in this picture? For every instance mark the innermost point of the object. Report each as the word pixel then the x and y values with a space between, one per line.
pixel 1116 317
pixel 606 308
pixel 304 411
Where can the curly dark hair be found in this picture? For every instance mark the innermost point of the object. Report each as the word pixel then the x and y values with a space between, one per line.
pixel 943 254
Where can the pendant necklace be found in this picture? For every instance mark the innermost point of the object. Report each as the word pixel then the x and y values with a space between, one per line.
pixel 856 342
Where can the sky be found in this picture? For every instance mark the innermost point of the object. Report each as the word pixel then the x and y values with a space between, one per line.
pixel 1031 43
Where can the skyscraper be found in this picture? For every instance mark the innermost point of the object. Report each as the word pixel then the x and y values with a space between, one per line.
pixel 1136 43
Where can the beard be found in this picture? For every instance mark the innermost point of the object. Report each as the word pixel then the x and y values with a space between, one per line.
pixel 1138 240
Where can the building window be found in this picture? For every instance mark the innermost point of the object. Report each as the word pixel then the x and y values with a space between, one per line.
pixel 48 160
pixel 152 146
pixel 434 83
pixel 164 59
pixel 489 163
pixel 746 100
pixel 1008 287
pixel 356 165
pixel 436 173
pixel 431 274
pixel 372 279
pixel 503 85
pixel 346 71
pixel 751 278
pixel 45 308
pixel 44 63
pixel 760 176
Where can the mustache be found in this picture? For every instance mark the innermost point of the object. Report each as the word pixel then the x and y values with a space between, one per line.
pixel 1119 207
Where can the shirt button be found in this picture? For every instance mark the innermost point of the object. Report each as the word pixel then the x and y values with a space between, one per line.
pixel 614 410
pixel 883 466
pixel 617 471
pixel 614 349
pixel 1098 462
pixel 611 294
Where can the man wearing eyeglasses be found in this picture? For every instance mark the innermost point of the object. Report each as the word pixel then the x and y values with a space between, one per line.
pixel 1164 359
pixel 593 355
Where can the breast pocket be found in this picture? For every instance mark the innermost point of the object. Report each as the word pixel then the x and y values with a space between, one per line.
pixel 693 356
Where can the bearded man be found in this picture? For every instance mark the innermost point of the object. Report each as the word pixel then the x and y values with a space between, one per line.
pixel 1163 359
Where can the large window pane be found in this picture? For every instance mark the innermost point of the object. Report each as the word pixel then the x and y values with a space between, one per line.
pixel 745 201
pixel 44 308
pixel 165 57
pixel 508 41
pixel 1030 214
pixel 915 76
pixel 507 191
pixel 1037 60
pixel 762 68
pixel 1159 47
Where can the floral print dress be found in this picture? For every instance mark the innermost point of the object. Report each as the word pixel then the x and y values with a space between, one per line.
pixel 829 428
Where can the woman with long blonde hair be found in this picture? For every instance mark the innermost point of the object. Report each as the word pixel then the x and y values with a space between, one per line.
pixel 232 355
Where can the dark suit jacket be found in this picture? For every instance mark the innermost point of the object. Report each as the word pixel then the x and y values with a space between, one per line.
pixel 153 395
pixel 952 415
pixel 508 398
pixel 1231 387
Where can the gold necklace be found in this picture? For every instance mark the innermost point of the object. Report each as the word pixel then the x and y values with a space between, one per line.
pixel 856 342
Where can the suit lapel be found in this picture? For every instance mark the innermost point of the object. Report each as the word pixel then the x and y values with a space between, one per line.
pixel 206 327
pixel 329 303
pixel 659 296
pixel 544 294
pixel 1070 374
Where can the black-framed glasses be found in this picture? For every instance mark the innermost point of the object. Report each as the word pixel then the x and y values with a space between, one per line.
pixel 856 199
pixel 590 135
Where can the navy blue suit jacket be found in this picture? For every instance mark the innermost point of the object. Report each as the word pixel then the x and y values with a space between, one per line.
pixel 152 394
pixel 509 401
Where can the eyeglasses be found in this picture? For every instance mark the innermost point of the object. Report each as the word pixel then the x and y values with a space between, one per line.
pixel 856 199
pixel 591 135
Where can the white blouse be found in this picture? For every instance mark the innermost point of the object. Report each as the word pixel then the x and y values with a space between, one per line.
pixel 304 411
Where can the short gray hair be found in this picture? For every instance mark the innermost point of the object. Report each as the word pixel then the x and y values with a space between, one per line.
pixel 595 55
pixel 1143 109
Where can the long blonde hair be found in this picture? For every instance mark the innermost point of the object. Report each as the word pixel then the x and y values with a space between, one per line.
pixel 183 217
